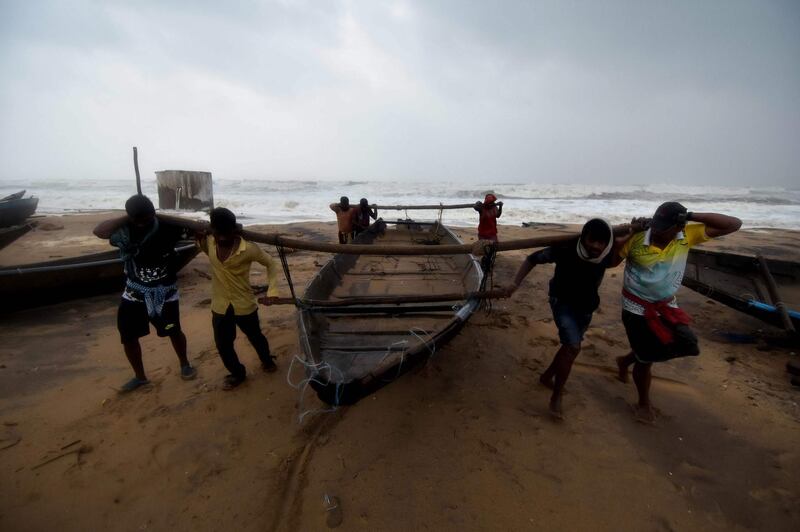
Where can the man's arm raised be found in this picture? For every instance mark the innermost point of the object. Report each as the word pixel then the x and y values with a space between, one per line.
pixel 716 224
pixel 107 228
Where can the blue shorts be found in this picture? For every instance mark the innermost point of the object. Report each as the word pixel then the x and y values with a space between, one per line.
pixel 571 323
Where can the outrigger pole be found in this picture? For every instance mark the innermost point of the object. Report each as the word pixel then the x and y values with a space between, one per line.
pixel 422 207
pixel 477 248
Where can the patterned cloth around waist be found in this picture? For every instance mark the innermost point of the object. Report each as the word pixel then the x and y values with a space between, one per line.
pixel 153 297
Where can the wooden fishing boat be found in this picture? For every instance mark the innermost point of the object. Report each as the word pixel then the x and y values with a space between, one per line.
pixel 366 319
pixel 10 234
pixel 741 282
pixel 31 285
pixel 15 195
pixel 16 210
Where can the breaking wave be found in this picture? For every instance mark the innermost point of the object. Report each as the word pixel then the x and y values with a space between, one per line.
pixel 283 201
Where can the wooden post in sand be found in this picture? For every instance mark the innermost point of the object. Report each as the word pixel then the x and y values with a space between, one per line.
pixel 136 168
pixel 772 287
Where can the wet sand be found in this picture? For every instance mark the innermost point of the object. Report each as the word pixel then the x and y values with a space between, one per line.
pixel 463 443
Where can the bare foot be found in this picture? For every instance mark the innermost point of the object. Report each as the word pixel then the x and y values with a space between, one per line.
pixel 556 412
pixel 622 369
pixel 644 414
pixel 546 382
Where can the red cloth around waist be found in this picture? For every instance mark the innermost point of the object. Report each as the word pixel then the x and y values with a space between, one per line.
pixel 656 313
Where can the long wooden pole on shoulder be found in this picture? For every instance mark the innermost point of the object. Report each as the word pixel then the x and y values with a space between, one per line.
pixel 423 207
pixel 275 239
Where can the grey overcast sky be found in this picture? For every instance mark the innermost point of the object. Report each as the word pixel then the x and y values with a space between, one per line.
pixel 608 92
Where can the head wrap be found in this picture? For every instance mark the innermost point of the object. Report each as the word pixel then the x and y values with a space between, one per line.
pixel 584 254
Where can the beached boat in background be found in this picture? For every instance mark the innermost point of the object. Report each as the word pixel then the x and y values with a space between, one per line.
pixel 10 234
pixel 14 209
pixel 360 326
pixel 43 283
pixel 742 283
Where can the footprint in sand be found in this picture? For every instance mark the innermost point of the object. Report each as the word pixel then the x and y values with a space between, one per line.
pixel 696 473
pixel 192 460
pixel 783 497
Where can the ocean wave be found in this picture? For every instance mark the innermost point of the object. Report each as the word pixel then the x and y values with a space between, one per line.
pixel 657 196
pixel 283 201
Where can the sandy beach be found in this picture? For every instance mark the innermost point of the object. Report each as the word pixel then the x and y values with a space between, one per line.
pixel 463 443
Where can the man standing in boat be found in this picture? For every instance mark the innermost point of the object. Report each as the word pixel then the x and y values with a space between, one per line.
pixel 580 267
pixel 147 247
pixel 346 219
pixel 656 259
pixel 364 216
pixel 490 210
pixel 232 301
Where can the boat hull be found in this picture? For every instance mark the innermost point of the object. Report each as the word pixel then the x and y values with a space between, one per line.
pixel 16 211
pixel 43 283
pixel 737 281
pixel 9 234
pixel 351 351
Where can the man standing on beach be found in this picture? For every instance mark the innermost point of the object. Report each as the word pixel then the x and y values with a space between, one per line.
pixel 656 259
pixel 346 219
pixel 364 216
pixel 580 267
pixel 490 210
pixel 147 247
pixel 232 301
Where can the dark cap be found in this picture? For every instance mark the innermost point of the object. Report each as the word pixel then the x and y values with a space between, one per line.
pixel 667 215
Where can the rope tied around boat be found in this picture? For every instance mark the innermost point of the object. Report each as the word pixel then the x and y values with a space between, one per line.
pixel 418 333
pixel 314 370
pixel 286 272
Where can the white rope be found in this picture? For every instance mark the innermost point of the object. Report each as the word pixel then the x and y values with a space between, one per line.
pixel 404 343
pixel 315 370
pixel 432 346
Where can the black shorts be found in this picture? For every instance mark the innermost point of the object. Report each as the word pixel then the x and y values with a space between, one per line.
pixel 133 321
pixel 648 348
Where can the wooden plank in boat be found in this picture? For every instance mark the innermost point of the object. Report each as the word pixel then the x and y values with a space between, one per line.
pixel 338 324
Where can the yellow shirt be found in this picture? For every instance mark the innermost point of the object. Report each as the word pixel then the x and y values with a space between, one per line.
pixel 230 280
pixel 655 274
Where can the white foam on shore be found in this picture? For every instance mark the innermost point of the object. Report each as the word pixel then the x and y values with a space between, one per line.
pixel 270 201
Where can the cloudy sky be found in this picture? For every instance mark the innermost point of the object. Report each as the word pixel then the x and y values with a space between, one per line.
pixel 566 91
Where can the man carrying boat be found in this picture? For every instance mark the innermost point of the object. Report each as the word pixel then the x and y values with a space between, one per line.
pixel 232 301
pixel 490 210
pixel 580 267
pixel 658 330
pixel 364 216
pixel 147 247
pixel 345 218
